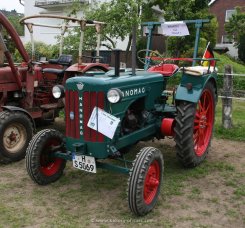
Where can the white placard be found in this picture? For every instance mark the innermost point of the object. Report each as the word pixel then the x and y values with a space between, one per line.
pixel 175 28
pixel 107 123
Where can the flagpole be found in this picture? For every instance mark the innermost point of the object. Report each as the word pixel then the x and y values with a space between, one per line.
pixel 205 53
pixel 206 49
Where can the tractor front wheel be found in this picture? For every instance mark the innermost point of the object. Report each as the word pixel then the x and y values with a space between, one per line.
pixel 194 127
pixel 41 164
pixel 16 131
pixel 145 180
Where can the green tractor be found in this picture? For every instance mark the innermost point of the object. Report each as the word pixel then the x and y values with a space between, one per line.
pixel 107 113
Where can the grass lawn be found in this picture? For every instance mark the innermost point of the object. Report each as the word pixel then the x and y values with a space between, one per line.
pixel 238 68
pixel 238 117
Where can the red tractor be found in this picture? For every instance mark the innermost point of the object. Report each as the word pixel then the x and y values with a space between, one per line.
pixel 26 90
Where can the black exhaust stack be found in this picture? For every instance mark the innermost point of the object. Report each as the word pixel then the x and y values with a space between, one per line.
pixel 134 50
pixel 117 62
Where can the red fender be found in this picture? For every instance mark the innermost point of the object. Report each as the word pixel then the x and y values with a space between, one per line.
pixel 100 66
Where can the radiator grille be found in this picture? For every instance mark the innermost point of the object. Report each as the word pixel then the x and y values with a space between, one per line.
pixel 82 109
pixel 90 100
pixel 72 108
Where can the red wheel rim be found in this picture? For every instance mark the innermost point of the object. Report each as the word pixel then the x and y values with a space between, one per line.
pixel 49 164
pixel 152 181
pixel 203 123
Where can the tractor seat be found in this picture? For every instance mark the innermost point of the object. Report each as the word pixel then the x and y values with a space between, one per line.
pixel 58 72
pixel 164 69
pixel 64 60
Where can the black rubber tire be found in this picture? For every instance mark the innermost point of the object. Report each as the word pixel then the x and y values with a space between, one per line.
pixel 36 149
pixel 3 160
pixel 184 130
pixel 22 121
pixel 137 177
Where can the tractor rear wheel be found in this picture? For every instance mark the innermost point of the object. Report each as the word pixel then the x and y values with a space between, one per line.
pixel 194 127
pixel 41 165
pixel 16 131
pixel 145 180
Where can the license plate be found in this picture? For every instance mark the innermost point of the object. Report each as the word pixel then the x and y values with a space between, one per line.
pixel 85 163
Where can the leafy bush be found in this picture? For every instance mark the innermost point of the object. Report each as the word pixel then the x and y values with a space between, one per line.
pixel 241 48
pixel 236 30
pixel 41 50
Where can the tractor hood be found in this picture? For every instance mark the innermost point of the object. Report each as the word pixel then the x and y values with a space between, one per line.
pixel 142 80
pixel 143 84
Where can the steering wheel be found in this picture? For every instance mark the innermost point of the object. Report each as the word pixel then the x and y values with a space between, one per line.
pixel 141 56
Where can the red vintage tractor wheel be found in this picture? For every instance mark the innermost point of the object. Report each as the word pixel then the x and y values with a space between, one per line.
pixel 41 164
pixel 152 181
pixel 16 131
pixel 203 122
pixel 194 127
pixel 145 180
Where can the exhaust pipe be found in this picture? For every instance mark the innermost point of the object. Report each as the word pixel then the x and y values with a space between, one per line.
pixel 117 62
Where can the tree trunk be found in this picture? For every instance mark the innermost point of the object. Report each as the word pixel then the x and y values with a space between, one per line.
pixel 111 41
pixel 227 100
pixel 128 47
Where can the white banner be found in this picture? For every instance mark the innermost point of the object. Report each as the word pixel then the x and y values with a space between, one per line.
pixel 175 28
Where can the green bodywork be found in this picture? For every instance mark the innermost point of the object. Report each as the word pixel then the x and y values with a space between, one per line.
pixel 144 88
pixel 197 82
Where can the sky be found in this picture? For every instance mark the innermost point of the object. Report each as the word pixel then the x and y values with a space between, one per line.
pixel 11 5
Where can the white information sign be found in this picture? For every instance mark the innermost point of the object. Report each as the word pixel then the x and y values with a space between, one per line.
pixel 175 28
pixel 107 123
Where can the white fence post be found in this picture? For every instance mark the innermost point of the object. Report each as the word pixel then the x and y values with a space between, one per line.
pixel 227 100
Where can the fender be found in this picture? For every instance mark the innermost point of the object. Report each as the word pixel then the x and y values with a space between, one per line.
pixel 14 108
pixel 101 66
pixel 197 83
pixel 87 66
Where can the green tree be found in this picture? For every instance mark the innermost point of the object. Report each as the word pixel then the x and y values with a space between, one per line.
pixel 236 29
pixel 119 17
pixel 241 47
pixel 14 19
pixel 41 50
pixel 178 10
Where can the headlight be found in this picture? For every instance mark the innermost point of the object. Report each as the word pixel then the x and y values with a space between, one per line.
pixel 114 95
pixel 58 91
